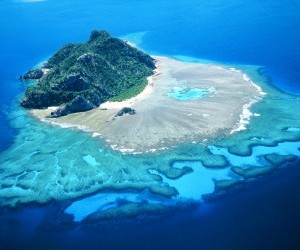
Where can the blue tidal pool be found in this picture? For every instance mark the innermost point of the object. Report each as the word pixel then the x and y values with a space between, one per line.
pixel 189 94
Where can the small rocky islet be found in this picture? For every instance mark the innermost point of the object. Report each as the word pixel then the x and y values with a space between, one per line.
pixel 81 76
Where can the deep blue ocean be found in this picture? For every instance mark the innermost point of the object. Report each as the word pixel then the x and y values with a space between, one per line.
pixel 264 33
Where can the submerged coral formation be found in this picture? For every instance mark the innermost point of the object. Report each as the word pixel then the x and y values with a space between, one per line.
pixel 46 163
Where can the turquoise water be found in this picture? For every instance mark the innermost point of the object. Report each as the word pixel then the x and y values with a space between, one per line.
pixel 72 176
pixel 189 94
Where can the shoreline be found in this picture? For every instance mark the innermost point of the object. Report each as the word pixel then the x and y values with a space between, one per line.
pixel 162 122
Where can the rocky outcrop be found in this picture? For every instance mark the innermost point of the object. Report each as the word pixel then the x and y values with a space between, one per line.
pixel 33 74
pixel 125 111
pixel 86 58
pixel 74 82
pixel 79 104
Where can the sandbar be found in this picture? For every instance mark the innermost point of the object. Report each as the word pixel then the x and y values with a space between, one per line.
pixel 161 122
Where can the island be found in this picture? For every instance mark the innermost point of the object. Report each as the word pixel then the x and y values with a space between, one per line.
pixel 137 103
pixel 81 76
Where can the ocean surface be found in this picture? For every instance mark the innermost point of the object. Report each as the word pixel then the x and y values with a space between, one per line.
pixel 264 214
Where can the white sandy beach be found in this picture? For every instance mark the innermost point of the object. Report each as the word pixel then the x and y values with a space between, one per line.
pixel 160 121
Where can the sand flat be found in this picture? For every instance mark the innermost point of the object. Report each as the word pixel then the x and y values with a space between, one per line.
pixel 161 121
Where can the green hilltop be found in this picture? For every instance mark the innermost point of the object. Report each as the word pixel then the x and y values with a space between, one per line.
pixel 81 76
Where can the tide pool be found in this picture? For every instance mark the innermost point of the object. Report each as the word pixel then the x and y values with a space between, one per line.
pixel 189 94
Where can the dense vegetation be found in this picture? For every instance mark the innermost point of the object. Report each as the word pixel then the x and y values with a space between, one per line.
pixel 104 68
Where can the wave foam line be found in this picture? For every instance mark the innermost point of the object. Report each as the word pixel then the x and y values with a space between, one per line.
pixel 246 113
